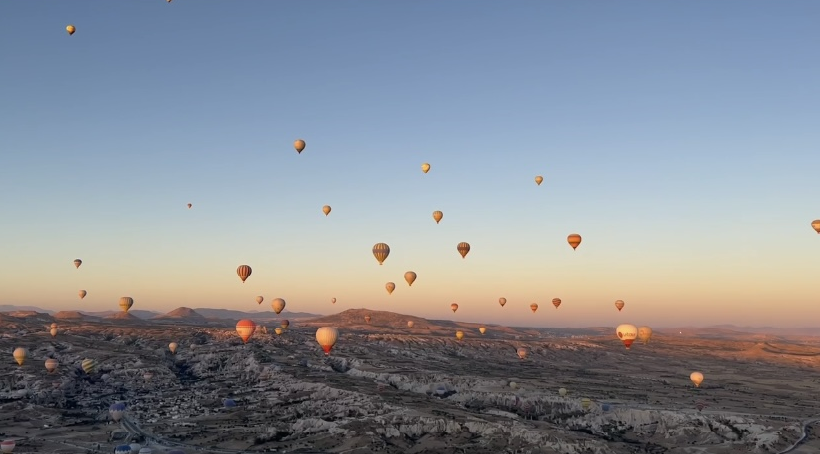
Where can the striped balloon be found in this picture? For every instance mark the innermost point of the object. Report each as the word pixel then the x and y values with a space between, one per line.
pixel 116 411
pixel 89 365
pixel 244 271
pixel 556 302
pixel 245 328
pixel 125 303
pixel 122 449
pixel 381 251
pixel 463 249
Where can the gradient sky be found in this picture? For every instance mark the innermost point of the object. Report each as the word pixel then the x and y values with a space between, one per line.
pixel 679 138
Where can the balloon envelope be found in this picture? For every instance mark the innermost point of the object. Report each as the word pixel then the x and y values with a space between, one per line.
pixel 243 271
pixel 326 210
pixel 627 334
pixel 816 225
pixel 70 29
pixel 278 305
pixel 125 303
pixel 522 352
pixel 82 294
pixel 697 378
pixel 299 145
pixel 425 167
pixel 538 180
pixel 390 286
pixel 20 354
pixel 454 307
pixel 463 248
pixel 619 305
pixel 326 337
pixel 245 328
pixel 173 347
pixel 459 335
pixel 77 263
pixel 410 277
pixel 381 251
pixel 644 334
pixel 502 301
pixel 437 215
pixel 574 240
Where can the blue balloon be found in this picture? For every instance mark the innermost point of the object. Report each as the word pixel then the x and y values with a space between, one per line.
pixel 605 407
pixel 229 403
pixel 122 449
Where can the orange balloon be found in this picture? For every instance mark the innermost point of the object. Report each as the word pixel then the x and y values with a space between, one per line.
pixel 574 240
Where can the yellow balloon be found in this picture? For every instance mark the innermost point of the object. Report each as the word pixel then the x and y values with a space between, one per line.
pixel 425 167
pixel 70 29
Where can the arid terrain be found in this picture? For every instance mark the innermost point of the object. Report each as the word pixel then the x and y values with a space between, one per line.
pixel 388 388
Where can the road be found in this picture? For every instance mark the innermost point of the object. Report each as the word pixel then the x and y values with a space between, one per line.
pixel 803 435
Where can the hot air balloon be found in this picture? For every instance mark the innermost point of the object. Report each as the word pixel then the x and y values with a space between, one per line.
pixel 53 330
pixel 538 180
pixel 333 301
pixel 627 334
pixel 135 448
pixel 410 323
pixel 502 301
pixel 259 299
pixel 534 307
pixel 644 334
pixel 20 354
pixel 619 304
pixel 463 248
pixel 278 331
pixel 77 263
pixel 816 225
pixel 125 303
pixel 390 286
pixel 89 366
pixel 562 392
pixel 700 405
pixel 245 328
pixel 574 240
pixel 189 206
pixel 367 319
pixel 173 347
pixel 51 365
pixel 229 403
pixel 284 324
pixel 70 29
pixel 116 411
pixel 482 330
pixel 437 215
pixel 522 352
pixel 697 378
pixel 82 294
pixel 326 210
pixel 459 334
pixel 7 445
pixel 556 302
pixel 299 145
pixel 278 305
pixel 585 403
pixel 425 167
pixel 147 376
pixel 244 271
pixel 410 277
pixel 381 251
pixel 454 307
pixel 327 337
pixel 122 449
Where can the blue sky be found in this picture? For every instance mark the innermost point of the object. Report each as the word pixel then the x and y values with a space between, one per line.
pixel 679 138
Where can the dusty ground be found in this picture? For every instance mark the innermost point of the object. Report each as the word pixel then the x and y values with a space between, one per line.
pixel 399 390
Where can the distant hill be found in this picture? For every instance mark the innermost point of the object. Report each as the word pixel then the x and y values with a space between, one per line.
pixel 123 317
pixel 74 316
pixel 13 308
pixel 181 313
pixel 230 314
